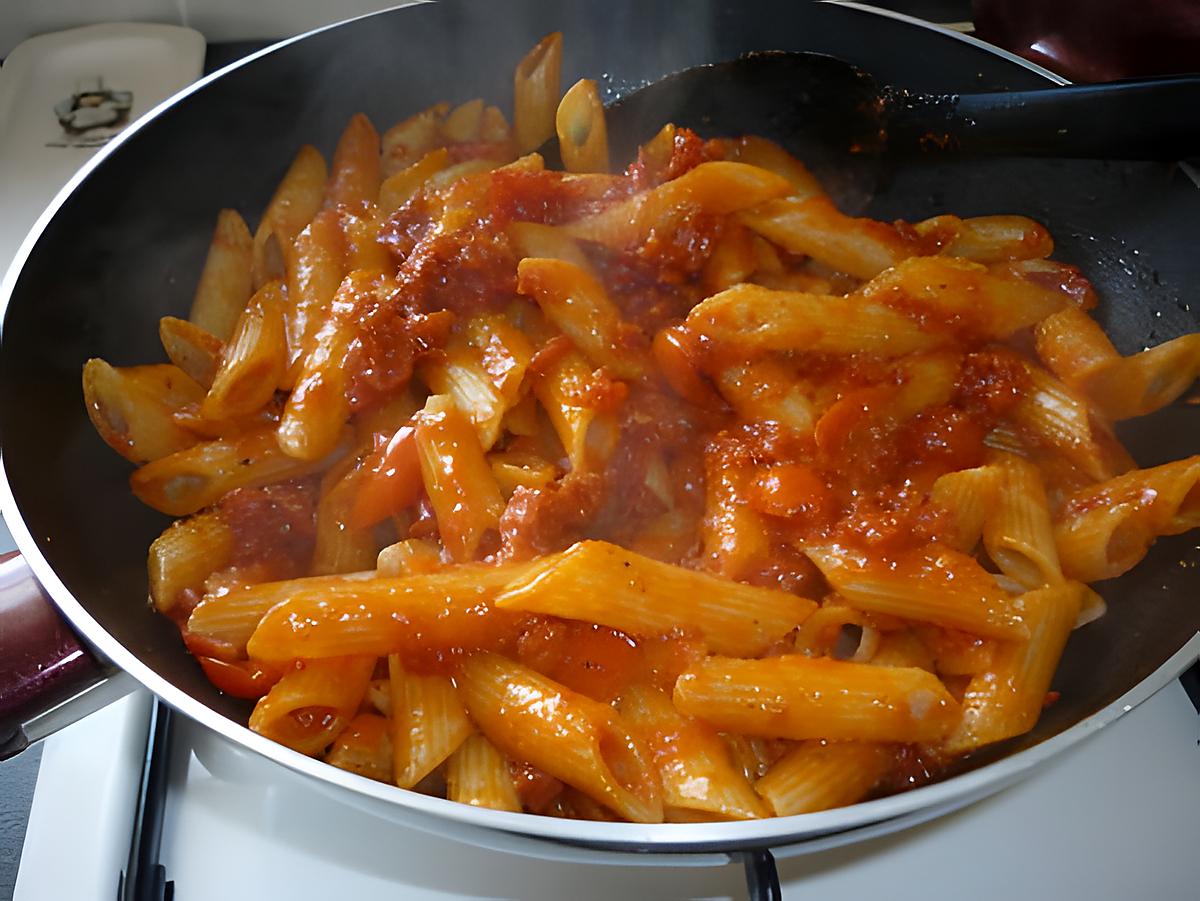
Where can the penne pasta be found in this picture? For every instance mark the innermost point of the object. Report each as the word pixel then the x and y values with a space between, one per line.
pixel 1006 699
pixel 936 585
pixel 185 554
pixel 819 775
pixel 584 743
pixel 715 187
pixel 536 92
pixel 693 763
pixel 576 302
pixel 1105 529
pixel 1017 532
pixel 759 319
pixel 133 408
pixel 399 187
pixel 811 225
pixel 465 497
pixel 477 774
pixel 582 134
pixel 601 583
pixel 587 434
pixel 357 168
pixel 327 615
pixel 968 495
pixel 428 723
pixel 295 202
pixel 310 706
pixel 227 278
pixel 803 698
pixel 1137 385
pixel 364 747
pixel 191 479
pixel 254 360
pixel 317 408
pixel 191 348
pixel 770 156
pixel 408 141
pixel 988 239
pixel 315 266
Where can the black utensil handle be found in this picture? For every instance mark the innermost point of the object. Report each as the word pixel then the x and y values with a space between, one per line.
pixel 1144 119
pixel 762 878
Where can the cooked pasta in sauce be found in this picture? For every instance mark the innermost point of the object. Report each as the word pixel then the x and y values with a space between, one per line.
pixel 667 495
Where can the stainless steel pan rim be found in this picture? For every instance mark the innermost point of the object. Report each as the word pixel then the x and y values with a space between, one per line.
pixel 817 830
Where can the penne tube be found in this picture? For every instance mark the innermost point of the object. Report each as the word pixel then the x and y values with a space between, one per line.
pixel 364 747
pixel 587 434
pixel 360 231
pixel 254 359
pixel 409 557
pixel 229 617
pixel 536 92
pixel 310 706
pixel 428 723
pixel 718 188
pixel 575 301
pixel 758 319
pixel 904 647
pixel 733 536
pixel 582 742
pixel 227 278
pixel 356 171
pixel 191 348
pixel 408 141
pixel 477 774
pixel 814 697
pixel 463 124
pixel 318 407
pixel 133 408
pixel 582 133
pixel 694 766
pixel 598 582
pixel 295 202
pixel 315 266
pixel 185 554
pixel 379 696
pixel 1103 530
pixel 328 615
pixel 755 755
pixel 341 547
pixel 194 478
pixel 968 495
pixel 814 227
pixel 462 490
pixel 988 239
pixel 400 187
pixel 934 584
pixel 1017 532
pixel 1144 382
pixel 770 156
pixel 768 390
pixel 548 242
pixel 1071 344
pixel 820 775
pixel 733 259
pixel 1007 699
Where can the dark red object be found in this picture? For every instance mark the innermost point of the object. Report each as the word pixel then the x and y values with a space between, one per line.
pixel 1096 40
pixel 42 662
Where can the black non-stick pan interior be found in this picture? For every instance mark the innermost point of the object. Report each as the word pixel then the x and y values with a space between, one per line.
pixel 127 246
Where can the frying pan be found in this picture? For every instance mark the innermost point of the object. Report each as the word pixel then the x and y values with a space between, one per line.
pixel 123 246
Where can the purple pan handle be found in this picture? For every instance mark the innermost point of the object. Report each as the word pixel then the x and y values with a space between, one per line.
pixel 44 667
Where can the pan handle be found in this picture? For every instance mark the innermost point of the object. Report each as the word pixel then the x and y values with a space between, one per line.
pixel 48 676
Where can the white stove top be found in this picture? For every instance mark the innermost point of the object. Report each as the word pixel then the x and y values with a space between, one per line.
pixel 1113 819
